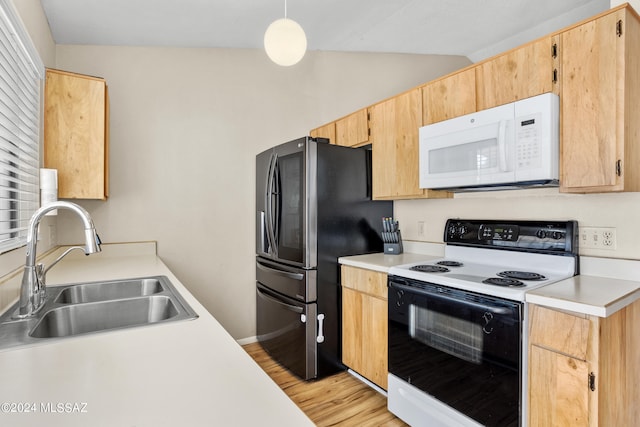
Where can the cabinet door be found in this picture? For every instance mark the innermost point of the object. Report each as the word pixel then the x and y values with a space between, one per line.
pixel 450 97
pixel 558 389
pixel 394 135
pixel 520 73
pixel 75 134
pixel 592 106
pixel 327 131
pixel 353 130
pixel 364 335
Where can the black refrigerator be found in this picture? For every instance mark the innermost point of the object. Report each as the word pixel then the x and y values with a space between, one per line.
pixel 313 205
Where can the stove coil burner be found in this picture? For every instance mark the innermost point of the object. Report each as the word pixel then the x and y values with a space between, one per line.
pixel 503 281
pixel 427 268
pixel 521 275
pixel 450 263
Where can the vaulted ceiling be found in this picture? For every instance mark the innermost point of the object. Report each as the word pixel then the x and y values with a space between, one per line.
pixel 473 28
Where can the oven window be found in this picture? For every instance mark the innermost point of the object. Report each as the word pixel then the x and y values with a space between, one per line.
pixel 457 337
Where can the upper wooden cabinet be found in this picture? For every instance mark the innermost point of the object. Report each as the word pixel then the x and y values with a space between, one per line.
pixel 394 135
pixel 449 97
pixel 600 151
pixel 520 73
pixel 327 131
pixel 76 117
pixel 353 130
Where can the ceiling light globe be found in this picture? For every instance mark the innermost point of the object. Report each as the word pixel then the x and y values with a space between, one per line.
pixel 285 42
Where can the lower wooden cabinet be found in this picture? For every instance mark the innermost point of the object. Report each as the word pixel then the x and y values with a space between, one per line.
pixel 364 323
pixel 584 370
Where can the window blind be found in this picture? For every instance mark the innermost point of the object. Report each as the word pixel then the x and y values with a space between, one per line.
pixel 21 74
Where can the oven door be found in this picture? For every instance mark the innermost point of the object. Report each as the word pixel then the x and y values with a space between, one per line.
pixel 460 348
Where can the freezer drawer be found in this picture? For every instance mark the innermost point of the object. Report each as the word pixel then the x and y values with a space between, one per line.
pixel 293 282
pixel 287 330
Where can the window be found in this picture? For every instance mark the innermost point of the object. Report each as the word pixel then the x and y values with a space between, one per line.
pixel 21 74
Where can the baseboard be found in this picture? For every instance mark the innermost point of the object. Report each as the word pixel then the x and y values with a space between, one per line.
pixel 248 340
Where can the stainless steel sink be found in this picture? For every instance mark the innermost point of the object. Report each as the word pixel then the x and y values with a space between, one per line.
pixel 101 316
pixel 88 308
pixel 104 291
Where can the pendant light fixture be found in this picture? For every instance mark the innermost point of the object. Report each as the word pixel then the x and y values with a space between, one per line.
pixel 285 41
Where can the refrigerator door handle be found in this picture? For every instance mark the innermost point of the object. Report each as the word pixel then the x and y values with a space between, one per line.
pixel 289 307
pixel 287 274
pixel 320 337
pixel 269 204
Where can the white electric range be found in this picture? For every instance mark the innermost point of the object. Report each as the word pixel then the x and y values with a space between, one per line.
pixel 457 347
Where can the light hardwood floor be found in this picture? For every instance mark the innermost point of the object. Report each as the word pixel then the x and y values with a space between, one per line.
pixel 338 400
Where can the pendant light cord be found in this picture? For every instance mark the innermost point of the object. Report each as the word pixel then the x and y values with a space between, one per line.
pixel 285 9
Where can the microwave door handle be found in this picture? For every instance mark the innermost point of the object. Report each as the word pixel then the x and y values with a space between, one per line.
pixel 502 146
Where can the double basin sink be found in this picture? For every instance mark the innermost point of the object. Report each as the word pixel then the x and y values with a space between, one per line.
pixel 86 308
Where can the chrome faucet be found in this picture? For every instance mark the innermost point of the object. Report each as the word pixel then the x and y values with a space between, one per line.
pixel 32 291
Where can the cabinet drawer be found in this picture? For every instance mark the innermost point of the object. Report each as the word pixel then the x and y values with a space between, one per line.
pixel 367 281
pixel 562 332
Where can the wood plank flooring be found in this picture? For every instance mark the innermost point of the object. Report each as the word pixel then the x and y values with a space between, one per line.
pixel 338 400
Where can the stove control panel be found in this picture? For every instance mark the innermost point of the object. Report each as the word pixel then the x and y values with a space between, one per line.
pixel 536 236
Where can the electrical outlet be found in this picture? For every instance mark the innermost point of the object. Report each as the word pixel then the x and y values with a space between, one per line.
pixel 598 238
pixel 421 228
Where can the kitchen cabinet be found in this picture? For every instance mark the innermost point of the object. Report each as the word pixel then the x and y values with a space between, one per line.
pixel 76 134
pixel 353 130
pixel 449 97
pixel 364 323
pixel 517 74
pixel 394 136
pixel 326 131
pixel 583 369
pixel 600 150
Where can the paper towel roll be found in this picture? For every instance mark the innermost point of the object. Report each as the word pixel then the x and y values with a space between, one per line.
pixel 48 188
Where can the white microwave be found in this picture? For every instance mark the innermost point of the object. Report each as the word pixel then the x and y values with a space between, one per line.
pixel 509 146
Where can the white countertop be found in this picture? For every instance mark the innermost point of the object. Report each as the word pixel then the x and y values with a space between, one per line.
pixel 186 373
pixel 382 262
pixel 604 286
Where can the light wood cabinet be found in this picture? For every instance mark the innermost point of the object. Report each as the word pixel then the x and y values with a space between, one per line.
pixel 394 135
pixel 517 74
pixel 353 130
pixel 600 151
pixel 326 131
pixel 449 97
pixel 364 323
pixel 584 370
pixel 76 137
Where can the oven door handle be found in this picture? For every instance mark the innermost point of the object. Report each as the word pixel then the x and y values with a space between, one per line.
pixel 269 298
pixel 411 289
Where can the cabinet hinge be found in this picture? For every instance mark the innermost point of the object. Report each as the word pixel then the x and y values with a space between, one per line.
pixel 554 50
pixel 619 28
pixel 619 168
pixel 554 77
pixel 592 381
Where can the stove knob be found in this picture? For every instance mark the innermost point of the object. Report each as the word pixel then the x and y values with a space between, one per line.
pixel 462 230
pixel 541 234
pixel 557 235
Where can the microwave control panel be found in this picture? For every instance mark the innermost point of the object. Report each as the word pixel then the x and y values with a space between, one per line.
pixel 528 144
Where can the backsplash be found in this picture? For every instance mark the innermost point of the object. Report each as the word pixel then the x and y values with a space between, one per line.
pixel 618 210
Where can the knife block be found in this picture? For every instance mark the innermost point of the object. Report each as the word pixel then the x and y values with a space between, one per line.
pixel 394 248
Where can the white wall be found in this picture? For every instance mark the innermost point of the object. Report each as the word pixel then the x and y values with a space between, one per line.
pixel 186 125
